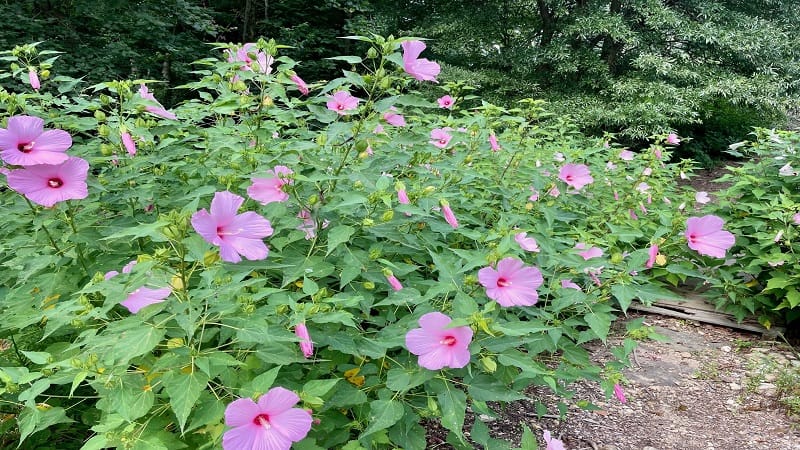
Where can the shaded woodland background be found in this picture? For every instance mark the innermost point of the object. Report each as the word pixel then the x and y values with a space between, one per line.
pixel 708 69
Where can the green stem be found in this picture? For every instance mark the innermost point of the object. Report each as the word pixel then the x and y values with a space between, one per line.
pixel 46 231
pixel 70 217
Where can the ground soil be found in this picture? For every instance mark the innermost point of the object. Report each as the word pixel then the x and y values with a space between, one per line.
pixel 705 388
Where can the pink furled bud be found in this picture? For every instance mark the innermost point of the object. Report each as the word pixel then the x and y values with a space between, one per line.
pixel 306 345
pixel 620 394
pixel 652 254
pixel 127 142
pixel 402 197
pixel 493 143
pixel 796 218
pixel 33 78
pixel 448 214
pixel 301 85
pixel 393 281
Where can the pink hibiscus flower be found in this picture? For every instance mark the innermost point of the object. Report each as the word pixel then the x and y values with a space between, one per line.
pixel 145 296
pixel 251 58
pixel 511 284
pixel 702 197
pixel 652 254
pixel 48 184
pixel 127 268
pixel 402 197
pixel 619 393
pixel 440 137
pixel 673 139
pixel 569 284
pixel 528 244
pixel 270 424
pixel 706 236
pixel 268 190
pixel 393 281
pixel 626 155
pixel 445 102
pixel 796 218
pixel 25 142
pixel 306 345
pixel 341 102
pixel 158 110
pixel 301 85
pixel 437 345
pixel 588 251
pixel 575 175
pixel 419 68
pixel 235 234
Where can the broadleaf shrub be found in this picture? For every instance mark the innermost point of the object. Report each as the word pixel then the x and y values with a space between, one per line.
pixel 136 314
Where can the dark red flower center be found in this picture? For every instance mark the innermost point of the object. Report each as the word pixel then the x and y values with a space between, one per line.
pixel 692 238
pixel 55 183
pixel 568 177
pixel 25 147
pixel 443 141
pixel 502 282
pixel 449 341
pixel 262 420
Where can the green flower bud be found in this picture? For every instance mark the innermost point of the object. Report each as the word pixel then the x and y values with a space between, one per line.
pixel 372 53
pixel 106 150
pixel 103 130
pixel 100 116
pixel 387 216
pixel 369 285
pixel 489 364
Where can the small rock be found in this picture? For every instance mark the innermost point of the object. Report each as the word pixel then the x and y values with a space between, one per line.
pixel 767 388
pixel 795 363
pixel 686 355
pixel 760 349
pixel 726 348
pixel 649 448
pixel 486 418
pixel 770 377
pixel 735 387
pixel 730 401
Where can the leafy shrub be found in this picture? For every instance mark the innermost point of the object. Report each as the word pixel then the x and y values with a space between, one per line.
pixel 379 208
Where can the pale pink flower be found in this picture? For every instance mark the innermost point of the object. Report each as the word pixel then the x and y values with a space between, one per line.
pixel 626 155
pixel 128 143
pixel 593 273
pixel 643 187
pixel 342 102
pixel 48 184
pixel 493 142
pixel 378 129
pixel 620 393
pixel 394 282
pixel 569 284
pixel 706 236
pixel 236 235
pixel 651 256
pixel 392 118
pixel 512 283
pixel 419 68
pixel 575 175
pixel 796 218
pixel 657 153
pixel 306 345
pixel 588 252
pixel 673 139
pixel 270 424
pixel 559 157
pixel 701 197
pixel 440 137
pixel 158 110
pixel 301 85
pixel 33 79
pixel 437 345
pixel 445 102
pixel 268 190
pixel 632 214
pixel 778 236
pixel 448 214
pixel 252 58
pixel 616 195
pixel 25 142
pixel 528 244
pixel 647 171
pixel 145 296
pixel 552 443
pixel 534 194
pixel 610 165
pixel 554 192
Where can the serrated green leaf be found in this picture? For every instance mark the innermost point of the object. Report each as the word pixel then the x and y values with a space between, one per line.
pixel 319 388
pixel 338 235
pixel 382 415
pixel 183 390
pixel 599 323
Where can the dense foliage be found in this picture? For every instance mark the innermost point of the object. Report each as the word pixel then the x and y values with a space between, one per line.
pixel 379 207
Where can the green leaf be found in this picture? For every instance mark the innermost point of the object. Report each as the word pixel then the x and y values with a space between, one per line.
pixel 338 235
pixel 131 398
pixel 600 323
pixel 319 388
pixel 37 357
pixel 33 419
pixel 528 439
pixel 184 389
pixel 261 384
pixel 624 293
pixel 793 297
pixel 778 281
pixel 382 415
pixel 347 59
pixel 453 403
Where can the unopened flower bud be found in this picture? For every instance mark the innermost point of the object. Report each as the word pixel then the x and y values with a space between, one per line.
pixel 387 216
pixel 106 150
pixel 210 258
pixel 100 116
pixel 489 364
pixel 103 130
pixel 372 53
pixel 369 285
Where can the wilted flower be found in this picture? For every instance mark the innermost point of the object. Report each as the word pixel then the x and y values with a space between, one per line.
pixel 652 254
pixel 673 139
pixel 270 424
pixel 569 284
pixel 588 252
pixel 552 443
pixel 512 283
pixel 449 216
pixel 437 345
pixel 528 244
pixel 306 345
pixel 787 171
pixel 701 197
pixel 157 109
pixel 620 393
pixel 626 155
pixel 301 85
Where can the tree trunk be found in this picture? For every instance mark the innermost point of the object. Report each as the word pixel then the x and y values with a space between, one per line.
pixel 248 8
pixel 548 23
pixel 611 48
